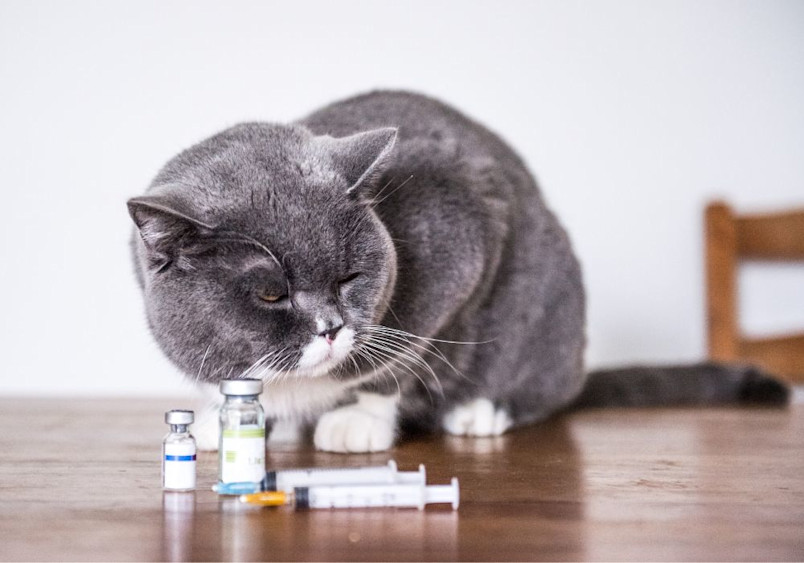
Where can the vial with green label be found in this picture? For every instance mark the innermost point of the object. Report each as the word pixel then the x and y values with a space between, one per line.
pixel 241 451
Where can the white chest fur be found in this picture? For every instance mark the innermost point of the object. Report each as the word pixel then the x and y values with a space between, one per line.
pixel 301 398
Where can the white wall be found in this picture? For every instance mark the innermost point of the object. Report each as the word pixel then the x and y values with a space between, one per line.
pixel 631 114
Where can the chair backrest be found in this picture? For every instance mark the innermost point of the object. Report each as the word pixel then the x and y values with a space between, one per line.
pixel 730 240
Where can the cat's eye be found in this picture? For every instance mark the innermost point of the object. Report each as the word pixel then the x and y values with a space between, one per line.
pixel 270 296
pixel 349 278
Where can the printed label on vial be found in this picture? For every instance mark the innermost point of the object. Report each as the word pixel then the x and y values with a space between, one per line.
pixel 243 454
pixel 179 466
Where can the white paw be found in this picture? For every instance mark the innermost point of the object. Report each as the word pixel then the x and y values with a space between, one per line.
pixel 367 426
pixel 477 418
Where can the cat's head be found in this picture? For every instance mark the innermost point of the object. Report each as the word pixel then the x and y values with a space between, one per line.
pixel 259 252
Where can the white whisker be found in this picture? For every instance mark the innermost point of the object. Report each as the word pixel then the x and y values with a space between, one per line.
pixel 382 328
pixel 384 370
pixel 392 192
pixel 378 194
pixel 387 352
pixel 409 355
pixel 431 349
pixel 427 346
pixel 201 368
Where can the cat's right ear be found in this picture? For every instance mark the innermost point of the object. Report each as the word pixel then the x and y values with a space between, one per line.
pixel 362 157
pixel 164 224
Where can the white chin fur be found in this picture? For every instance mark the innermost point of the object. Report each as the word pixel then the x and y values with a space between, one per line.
pixel 299 394
pixel 318 357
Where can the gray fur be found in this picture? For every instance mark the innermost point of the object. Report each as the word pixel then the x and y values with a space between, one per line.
pixel 699 384
pixel 441 219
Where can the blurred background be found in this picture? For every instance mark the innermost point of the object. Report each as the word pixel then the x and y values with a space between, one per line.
pixel 631 114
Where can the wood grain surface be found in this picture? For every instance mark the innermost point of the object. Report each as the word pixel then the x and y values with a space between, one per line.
pixel 80 480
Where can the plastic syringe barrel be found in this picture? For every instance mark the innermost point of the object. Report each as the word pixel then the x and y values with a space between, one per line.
pixel 366 496
pixel 288 480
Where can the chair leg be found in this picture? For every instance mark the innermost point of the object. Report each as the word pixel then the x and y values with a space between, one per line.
pixel 721 284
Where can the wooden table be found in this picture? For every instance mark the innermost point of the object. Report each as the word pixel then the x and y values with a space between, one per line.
pixel 80 480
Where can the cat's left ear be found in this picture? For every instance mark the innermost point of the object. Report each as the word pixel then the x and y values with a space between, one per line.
pixel 165 223
pixel 362 157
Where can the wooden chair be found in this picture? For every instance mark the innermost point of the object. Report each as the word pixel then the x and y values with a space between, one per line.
pixel 731 239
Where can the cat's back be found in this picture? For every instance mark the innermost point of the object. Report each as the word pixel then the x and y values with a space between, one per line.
pixel 420 119
pixel 466 179
pixel 414 114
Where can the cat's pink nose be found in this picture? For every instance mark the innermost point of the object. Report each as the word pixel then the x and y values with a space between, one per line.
pixel 331 333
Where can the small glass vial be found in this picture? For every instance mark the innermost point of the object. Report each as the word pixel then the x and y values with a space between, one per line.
pixel 178 452
pixel 241 451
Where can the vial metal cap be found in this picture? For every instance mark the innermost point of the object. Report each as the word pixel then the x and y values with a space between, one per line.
pixel 241 387
pixel 179 417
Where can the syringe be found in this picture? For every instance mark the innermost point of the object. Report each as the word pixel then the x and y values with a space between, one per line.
pixel 360 496
pixel 288 479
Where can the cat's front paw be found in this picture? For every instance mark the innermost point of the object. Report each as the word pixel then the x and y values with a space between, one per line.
pixel 366 426
pixel 477 418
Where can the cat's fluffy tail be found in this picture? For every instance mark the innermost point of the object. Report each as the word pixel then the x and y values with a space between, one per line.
pixel 700 384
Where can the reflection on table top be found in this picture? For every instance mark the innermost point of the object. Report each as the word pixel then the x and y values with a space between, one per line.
pixel 80 480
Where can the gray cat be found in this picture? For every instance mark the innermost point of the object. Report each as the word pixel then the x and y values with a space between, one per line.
pixel 386 265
